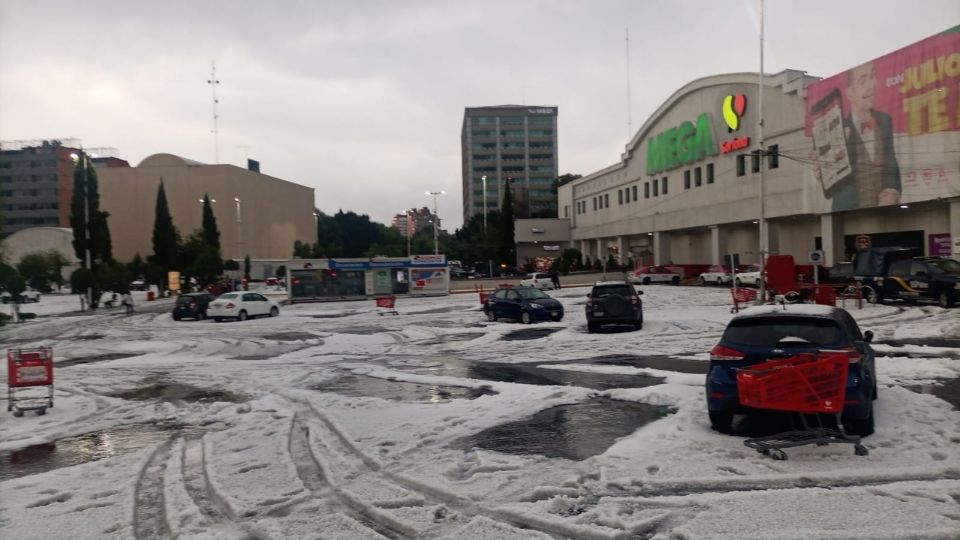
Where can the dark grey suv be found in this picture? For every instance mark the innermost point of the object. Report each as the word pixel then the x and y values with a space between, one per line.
pixel 614 302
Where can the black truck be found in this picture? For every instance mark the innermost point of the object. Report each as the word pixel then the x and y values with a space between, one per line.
pixel 895 273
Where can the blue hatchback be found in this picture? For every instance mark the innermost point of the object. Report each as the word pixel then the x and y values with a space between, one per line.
pixel 526 304
pixel 766 333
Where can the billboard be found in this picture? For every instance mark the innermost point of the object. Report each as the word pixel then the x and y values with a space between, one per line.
pixel 887 132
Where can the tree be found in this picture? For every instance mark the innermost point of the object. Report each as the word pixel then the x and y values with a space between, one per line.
pixel 507 246
pixel 137 267
pixel 210 232
pixel 281 271
pixel 231 264
pixel 301 250
pixel 15 285
pixel 41 268
pixel 166 239
pixel 80 280
pixel 91 234
pixel 246 268
pixel 200 260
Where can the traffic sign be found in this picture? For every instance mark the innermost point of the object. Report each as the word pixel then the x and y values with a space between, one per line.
pixel 815 257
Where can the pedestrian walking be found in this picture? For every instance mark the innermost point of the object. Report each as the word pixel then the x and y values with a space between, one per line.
pixel 555 279
pixel 128 303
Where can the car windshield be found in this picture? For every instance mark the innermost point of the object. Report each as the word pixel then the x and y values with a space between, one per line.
pixel 601 291
pixel 184 300
pixel 228 296
pixel 532 294
pixel 783 331
pixel 948 266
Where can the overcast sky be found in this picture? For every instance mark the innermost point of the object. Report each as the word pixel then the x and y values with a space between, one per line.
pixel 364 100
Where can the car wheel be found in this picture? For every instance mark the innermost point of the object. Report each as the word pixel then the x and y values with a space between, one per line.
pixel 638 325
pixel 646 281
pixel 739 283
pixel 274 312
pixel 218 319
pixel 721 421
pixel 491 314
pixel 719 282
pixel 675 280
pixel 176 317
pixel 525 317
pixel 592 327
pixel 945 300
pixel 201 315
pixel 860 426
pixel 703 282
pixel 242 316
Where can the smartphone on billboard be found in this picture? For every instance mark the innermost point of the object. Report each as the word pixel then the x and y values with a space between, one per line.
pixel 830 142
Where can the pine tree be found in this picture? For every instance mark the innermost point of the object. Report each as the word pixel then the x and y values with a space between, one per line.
pixel 508 245
pixel 166 239
pixel 210 232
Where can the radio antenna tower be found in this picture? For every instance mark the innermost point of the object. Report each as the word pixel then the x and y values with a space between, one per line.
pixel 629 106
pixel 213 82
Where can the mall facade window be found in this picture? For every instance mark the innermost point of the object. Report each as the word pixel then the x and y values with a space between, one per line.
pixel 656 187
pixel 773 156
pixel 663 187
pixel 686 179
pixel 634 193
pixel 741 164
pixel 620 196
pixel 697 177
pixel 646 190
pixel 606 200
pixel 755 161
pixel 709 173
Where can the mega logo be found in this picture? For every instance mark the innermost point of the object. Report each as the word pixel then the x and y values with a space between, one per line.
pixel 734 107
pixel 681 145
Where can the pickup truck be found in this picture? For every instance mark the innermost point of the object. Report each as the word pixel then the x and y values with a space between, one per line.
pixel 895 274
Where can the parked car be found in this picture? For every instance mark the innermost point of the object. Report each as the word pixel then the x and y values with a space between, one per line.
pixel 540 280
pixel 526 304
pixel 241 306
pixel 26 296
pixel 749 276
pixel 614 302
pixel 654 274
pixel 192 306
pixel 717 274
pixel 764 333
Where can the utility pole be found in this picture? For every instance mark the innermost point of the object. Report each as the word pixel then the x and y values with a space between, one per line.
pixel 213 82
pixel 436 220
pixel 761 154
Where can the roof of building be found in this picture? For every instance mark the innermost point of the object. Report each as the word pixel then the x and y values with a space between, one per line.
pixel 167 160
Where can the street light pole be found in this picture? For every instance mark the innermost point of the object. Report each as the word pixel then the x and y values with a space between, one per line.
pixel 239 231
pixel 436 220
pixel 407 213
pixel 484 179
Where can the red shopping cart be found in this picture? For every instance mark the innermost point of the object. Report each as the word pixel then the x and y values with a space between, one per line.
pixel 29 368
pixel 386 305
pixel 741 296
pixel 804 384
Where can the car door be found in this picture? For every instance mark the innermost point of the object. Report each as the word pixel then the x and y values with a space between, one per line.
pixel 497 302
pixel 512 305
pixel 251 305
pixel 897 283
pixel 263 305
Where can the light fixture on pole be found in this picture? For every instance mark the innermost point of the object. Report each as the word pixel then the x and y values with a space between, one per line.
pixel 316 226
pixel 239 231
pixel 436 220
pixel 86 223
pixel 484 179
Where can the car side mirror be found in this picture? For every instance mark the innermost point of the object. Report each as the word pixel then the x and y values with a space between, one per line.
pixel 589 295
pixel 868 336
pixel 640 293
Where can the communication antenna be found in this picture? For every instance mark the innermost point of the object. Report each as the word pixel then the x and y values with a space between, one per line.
pixel 629 106
pixel 213 82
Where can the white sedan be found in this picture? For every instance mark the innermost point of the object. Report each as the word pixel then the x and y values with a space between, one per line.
pixel 749 276
pixel 717 274
pixel 537 280
pixel 241 305
pixel 653 274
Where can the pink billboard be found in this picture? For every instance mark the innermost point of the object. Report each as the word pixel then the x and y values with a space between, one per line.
pixel 887 131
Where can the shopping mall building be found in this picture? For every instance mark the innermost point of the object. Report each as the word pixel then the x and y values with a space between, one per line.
pixel 870 156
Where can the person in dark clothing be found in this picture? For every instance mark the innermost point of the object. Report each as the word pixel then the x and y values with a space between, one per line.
pixel 555 279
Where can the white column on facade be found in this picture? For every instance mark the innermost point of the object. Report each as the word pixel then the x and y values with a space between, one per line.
pixel 661 248
pixel 718 245
pixel 621 249
pixel 831 235
pixel 955 229
pixel 584 249
pixel 600 251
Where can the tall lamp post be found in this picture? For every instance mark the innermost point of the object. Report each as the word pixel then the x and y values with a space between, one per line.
pixel 484 179
pixel 86 223
pixel 436 220
pixel 239 230
pixel 408 234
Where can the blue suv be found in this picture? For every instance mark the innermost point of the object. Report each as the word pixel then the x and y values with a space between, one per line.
pixel 771 332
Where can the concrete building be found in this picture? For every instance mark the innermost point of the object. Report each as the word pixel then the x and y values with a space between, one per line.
pixel 413 221
pixel 509 141
pixel 36 185
pixel 687 189
pixel 41 239
pixel 538 239
pixel 257 214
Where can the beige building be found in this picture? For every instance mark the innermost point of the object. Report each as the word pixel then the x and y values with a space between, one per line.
pixel 538 238
pixel 258 215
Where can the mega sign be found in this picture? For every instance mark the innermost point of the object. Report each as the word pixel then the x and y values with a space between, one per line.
pixel 681 145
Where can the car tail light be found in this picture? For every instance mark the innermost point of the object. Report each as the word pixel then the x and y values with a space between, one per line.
pixel 852 354
pixel 725 354
pixel 589 302
pixel 230 305
pixel 634 299
pixel 193 304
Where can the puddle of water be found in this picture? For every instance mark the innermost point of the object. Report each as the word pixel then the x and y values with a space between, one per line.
pixel 574 432
pixel 362 330
pixel 89 337
pixel 665 363
pixel 291 336
pixel 171 391
pixel 525 374
pixel 95 358
pixel 528 334
pixel 948 391
pixel 85 448
pixel 362 386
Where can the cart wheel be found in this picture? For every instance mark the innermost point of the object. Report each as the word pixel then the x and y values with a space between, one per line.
pixel 860 450
pixel 41 411
pixel 778 455
pixel 18 413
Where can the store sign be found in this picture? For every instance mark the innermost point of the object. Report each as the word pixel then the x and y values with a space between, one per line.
pixel 540 111
pixel 551 248
pixel 429 260
pixel 734 144
pixel 682 145
pixel 863 242
pixel 734 108
pixel 939 245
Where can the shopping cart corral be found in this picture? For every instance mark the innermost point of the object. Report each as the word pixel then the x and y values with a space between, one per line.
pixel 810 384
pixel 27 371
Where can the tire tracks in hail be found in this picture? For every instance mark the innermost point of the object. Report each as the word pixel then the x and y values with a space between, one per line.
pixel 352 463
pixel 149 510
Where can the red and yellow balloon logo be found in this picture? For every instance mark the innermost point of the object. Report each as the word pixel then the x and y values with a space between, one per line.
pixel 733 109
